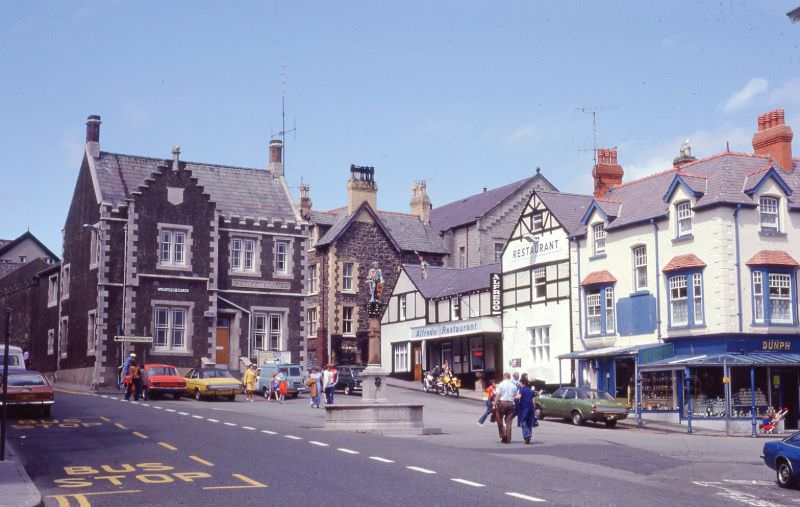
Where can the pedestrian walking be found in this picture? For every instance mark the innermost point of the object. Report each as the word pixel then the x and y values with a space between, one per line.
pixel 504 407
pixel 250 381
pixel 282 387
pixel 329 383
pixel 526 415
pixel 314 384
pixel 135 383
pixel 488 399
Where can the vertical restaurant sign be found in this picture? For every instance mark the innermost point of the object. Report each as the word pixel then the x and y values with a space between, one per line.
pixel 496 285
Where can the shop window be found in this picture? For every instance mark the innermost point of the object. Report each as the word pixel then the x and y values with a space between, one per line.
pixel 707 393
pixel 659 390
pixel 773 303
pixel 447 353
pixel 401 357
pixel 599 239
pixel 540 344
pixel 768 212
pixel 476 356
pixel 600 316
pixel 683 211
pixel 686 299
pixel 640 268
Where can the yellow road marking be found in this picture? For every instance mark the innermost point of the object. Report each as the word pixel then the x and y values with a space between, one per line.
pixel 121 426
pixel 80 498
pixel 140 435
pixel 106 419
pixel 167 446
pixel 62 500
pixel 201 460
pixel 70 391
pixel 250 483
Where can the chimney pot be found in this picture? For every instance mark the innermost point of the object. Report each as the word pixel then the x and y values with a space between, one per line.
pixel 93 135
pixel 276 157
pixel 176 152
pixel 607 172
pixel 774 139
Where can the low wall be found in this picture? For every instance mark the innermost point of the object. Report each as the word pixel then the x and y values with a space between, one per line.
pixel 375 417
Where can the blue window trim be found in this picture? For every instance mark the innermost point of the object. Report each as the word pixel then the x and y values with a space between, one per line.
pixel 603 309
pixel 598 256
pixel 765 271
pixel 689 274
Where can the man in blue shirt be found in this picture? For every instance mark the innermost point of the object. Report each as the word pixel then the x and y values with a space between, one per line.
pixel 505 394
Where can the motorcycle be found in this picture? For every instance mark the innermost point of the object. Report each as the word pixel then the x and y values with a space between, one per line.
pixel 428 382
pixel 452 385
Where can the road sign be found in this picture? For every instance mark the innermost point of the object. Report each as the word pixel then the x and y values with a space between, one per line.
pixel 134 339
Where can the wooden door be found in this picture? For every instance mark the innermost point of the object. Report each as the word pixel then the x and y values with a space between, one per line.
pixel 418 363
pixel 223 340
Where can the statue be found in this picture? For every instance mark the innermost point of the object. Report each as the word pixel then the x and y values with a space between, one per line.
pixel 375 281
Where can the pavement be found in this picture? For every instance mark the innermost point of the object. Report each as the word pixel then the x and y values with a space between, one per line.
pixel 18 488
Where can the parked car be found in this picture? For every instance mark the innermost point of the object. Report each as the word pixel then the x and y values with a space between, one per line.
pixel 15 358
pixel 28 388
pixel 295 381
pixel 349 379
pixel 206 382
pixel 163 379
pixel 580 404
pixel 783 456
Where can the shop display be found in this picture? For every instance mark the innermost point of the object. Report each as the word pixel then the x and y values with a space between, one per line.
pixel 743 403
pixel 658 391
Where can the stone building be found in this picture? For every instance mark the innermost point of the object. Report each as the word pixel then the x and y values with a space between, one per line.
pixel 183 261
pixel 15 253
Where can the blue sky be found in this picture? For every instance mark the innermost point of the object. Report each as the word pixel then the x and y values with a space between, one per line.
pixel 462 94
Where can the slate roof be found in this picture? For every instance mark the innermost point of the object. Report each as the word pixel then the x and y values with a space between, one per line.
pixel 406 231
pixel 6 244
pixel 235 190
pixel 598 277
pixel 720 179
pixel 772 258
pixel 9 267
pixel 465 210
pixel 443 282
pixel 568 209
pixel 684 262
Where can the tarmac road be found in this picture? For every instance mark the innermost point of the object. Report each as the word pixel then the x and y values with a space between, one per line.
pixel 98 450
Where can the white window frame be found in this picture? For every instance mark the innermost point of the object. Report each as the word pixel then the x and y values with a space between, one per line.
pixel 679 300
pixel 91 332
pixel 402 307
pixel 611 320
pixel 498 251
pixel 313 321
pixel 697 295
pixel 63 337
pixel 282 258
pixel 758 297
pixel 313 280
pixel 683 218
pixel 539 283
pixel 640 268
pixel 242 250
pixel 348 270
pixel 52 290
pixel 51 341
pixel 462 257
pixel 66 271
pixel 455 308
pixel 174 247
pixel 176 324
pixel 769 213
pixel 780 289
pixel 594 317
pixel 400 352
pixel 599 233
pixel 348 321
pixel 540 344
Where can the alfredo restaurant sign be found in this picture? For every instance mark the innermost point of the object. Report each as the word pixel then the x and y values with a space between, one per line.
pixel 463 327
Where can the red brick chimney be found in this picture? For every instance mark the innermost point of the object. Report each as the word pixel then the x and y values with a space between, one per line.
pixel 607 173
pixel 276 157
pixel 774 139
pixel 93 135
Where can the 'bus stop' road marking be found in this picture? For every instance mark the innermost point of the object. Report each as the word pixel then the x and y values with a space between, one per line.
pixel 202 461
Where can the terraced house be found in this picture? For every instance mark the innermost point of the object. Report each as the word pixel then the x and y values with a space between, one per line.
pixel 180 261
pixel 687 305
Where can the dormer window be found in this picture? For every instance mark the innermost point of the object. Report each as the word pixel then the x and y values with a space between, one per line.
pixel 599 239
pixel 768 211
pixel 684 216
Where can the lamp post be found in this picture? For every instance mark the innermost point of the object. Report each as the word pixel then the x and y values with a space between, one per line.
pixel 4 413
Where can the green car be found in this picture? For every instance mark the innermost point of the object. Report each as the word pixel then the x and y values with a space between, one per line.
pixel 580 404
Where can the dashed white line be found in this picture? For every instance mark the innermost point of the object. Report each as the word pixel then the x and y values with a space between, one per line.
pixel 145 404
pixel 421 470
pixel 382 460
pixel 469 483
pixel 525 497
pixel 183 413
pixel 198 417
pixel 135 402
pixel 104 396
pixel 347 451
pixel 212 420
pixel 156 407
pixel 321 444
pixel 170 410
pixel 292 437
pixel 248 428
pixel 268 432
pixel 229 424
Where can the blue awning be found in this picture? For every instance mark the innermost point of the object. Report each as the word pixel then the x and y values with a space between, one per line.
pixel 718 359
pixel 660 349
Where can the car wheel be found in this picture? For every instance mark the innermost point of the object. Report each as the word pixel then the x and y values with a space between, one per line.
pixel 347 390
pixel 230 397
pixel 177 396
pixel 611 423
pixel 197 395
pixel 265 392
pixel 784 474
pixel 537 412
pixel 577 418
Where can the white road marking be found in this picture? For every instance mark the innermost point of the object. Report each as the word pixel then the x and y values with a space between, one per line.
pixel 268 432
pixel 135 402
pixel 183 413
pixel 197 416
pixel 382 460
pixel 104 396
pixel 170 410
pixel 347 451
pixel 212 420
pixel 145 404
pixel 248 428
pixel 229 424
pixel 157 407
pixel 736 496
pixel 469 483
pixel 292 437
pixel 421 470
pixel 525 497
pixel 321 444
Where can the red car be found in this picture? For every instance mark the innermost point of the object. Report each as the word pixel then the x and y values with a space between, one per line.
pixel 163 379
pixel 27 388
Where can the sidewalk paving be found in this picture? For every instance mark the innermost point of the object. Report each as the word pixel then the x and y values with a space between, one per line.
pixel 17 487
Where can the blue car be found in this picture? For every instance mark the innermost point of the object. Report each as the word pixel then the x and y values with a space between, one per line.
pixel 783 456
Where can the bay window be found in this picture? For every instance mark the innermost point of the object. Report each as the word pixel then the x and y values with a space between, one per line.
pixel 685 299
pixel 600 312
pixel 773 297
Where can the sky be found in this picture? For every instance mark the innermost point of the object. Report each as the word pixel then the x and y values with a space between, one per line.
pixel 462 94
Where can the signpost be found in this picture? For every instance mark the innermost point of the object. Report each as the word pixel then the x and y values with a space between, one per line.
pixel 134 339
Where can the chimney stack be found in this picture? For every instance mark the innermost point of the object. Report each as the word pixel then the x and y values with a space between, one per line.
pixel 276 157
pixel 93 135
pixel 304 203
pixel 361 187
pixel 176 158
pixel 774 139
pixel 607 173
pixel 420 202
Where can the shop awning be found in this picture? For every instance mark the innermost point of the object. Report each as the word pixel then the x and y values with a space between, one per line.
pixel 649 352
pixel 717 359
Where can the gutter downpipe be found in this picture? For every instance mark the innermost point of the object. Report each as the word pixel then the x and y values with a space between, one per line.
pixel 249 323
pixel 580 316
pixel 738 264
pixel 658 281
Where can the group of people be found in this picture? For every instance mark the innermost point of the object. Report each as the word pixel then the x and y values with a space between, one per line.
pixel 317 383
pixel 513 397
pixel 133 378
pixel 277 387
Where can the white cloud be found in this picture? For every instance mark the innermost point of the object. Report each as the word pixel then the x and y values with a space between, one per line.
pixel 745 96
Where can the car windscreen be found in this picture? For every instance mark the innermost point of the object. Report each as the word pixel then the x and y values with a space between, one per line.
pixel 161 370
pixel 294 371
pixel 594 394
pixel 25 380
pixel 215 373
pixel 357 372
pixel 12 360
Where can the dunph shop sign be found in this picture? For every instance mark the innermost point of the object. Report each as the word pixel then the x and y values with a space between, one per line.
pixel 534 250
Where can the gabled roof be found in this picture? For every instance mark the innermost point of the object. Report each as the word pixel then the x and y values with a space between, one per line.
pixel 568 209
pixel 694 185
pixel 687 261
pixel 607 208
pixel 406 232
pixel 237 191
pixel 9 244
pixel 442 282
pixel 466 210
pixel 603 277
pixel 772 258
pixel 755 179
